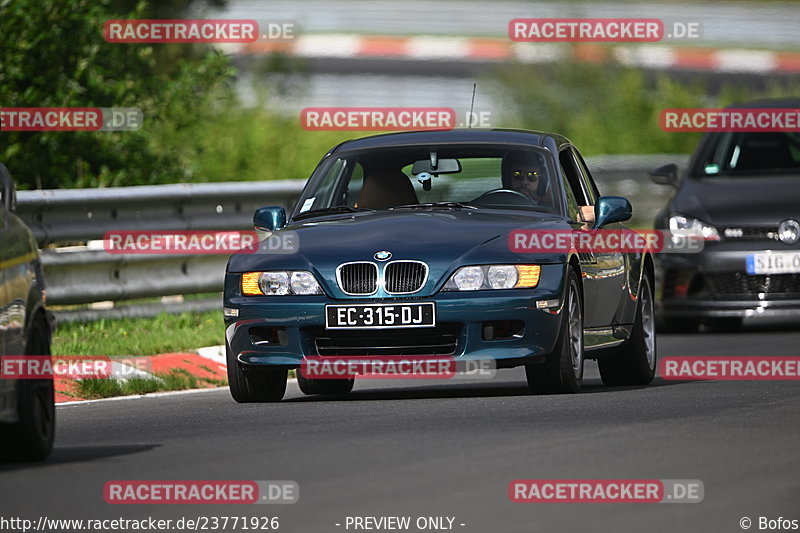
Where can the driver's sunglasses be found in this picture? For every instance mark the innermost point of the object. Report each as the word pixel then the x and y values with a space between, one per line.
pixel 532 175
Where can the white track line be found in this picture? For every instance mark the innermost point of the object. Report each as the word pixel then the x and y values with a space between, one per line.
pixel 138 396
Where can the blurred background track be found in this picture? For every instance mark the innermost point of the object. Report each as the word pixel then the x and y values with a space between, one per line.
pixel 429 53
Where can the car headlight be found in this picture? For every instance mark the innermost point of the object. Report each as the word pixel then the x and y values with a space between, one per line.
pixel 502 276
pixel 469 278
pixel 304 283
pixel 691 226
pixel 279 283
pixel 473 278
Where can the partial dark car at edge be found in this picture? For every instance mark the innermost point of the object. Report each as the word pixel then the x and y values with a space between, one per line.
pixel 27 409
pixel 741 191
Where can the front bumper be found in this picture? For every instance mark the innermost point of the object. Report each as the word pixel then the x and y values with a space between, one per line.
pixel 299 325
pixel 714 284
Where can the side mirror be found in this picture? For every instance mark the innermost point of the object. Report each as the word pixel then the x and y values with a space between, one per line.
pixel 269 218
pixel 665 175
pixel 7 189
pixel 610 209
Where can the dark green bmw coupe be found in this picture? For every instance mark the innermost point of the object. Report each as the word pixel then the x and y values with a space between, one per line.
pixel 401 246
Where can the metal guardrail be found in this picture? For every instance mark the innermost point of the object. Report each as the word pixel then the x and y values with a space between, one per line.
pixel 71 215
pixel 79 275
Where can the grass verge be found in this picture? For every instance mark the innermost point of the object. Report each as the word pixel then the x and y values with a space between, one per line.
pixel 140 336
pixel 178 379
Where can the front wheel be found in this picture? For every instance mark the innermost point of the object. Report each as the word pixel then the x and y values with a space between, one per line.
pixel 562 371
pixel 635 362
pixel 267 385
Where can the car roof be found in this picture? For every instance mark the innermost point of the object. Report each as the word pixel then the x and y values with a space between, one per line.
pixel 455 136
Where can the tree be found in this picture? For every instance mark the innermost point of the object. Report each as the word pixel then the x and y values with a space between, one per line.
pixel 54 55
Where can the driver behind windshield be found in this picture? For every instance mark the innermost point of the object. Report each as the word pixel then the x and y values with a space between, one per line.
pixel 523 172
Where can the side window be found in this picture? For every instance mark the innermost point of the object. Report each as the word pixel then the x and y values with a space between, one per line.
pixel 326 190
pixel 573 177
pixel 589 185
pixel 354 185
pixel 572 203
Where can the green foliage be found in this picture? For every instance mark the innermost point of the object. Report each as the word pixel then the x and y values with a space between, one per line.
pixel 195 129
pixel 255 144
pixel 611 109
pixel 54 55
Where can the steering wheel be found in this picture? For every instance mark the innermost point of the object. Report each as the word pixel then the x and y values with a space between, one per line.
pixel 503 197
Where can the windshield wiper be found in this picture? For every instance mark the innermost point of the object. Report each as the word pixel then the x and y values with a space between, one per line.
pixel 433 205
pixel 331 210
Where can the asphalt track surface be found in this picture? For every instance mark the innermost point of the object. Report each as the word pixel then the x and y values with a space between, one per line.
pixel 394 448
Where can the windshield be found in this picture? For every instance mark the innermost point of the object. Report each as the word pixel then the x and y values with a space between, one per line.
pixel 431 177
pixel 761 153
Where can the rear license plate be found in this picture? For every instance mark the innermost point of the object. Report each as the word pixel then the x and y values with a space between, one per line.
pixel 773 263
pixel 380 316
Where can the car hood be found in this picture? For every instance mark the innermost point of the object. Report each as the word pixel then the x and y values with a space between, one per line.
pixel 444 239
pixel 741 201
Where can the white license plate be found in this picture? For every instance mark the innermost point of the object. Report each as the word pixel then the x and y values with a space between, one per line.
pixel 773 263
pixel 380 316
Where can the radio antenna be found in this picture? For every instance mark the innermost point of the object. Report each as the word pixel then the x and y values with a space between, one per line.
pixel 472 106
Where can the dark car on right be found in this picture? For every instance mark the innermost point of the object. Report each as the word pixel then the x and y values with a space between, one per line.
pixel 741 191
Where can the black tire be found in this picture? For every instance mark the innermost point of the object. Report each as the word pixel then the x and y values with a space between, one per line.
pixel 635 362
pixel 267 385
pixel 677 325
pixel 562 371
pixel 31 439
pixel 324 386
